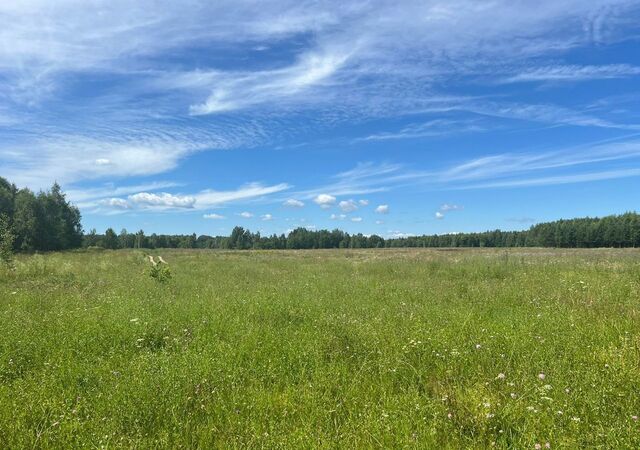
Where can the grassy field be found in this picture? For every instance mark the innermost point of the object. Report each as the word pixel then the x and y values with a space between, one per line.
pixel 319 349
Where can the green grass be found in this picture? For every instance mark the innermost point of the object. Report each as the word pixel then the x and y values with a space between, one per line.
pixel 322 349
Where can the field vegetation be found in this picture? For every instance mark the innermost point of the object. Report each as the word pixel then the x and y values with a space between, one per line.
pixel 393 348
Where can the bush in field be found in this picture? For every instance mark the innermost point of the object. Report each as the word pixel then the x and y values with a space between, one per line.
pixel 159 271
pixel 6 240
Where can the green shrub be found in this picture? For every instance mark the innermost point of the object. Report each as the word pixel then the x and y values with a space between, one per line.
pixel 6 241
pixel 160 272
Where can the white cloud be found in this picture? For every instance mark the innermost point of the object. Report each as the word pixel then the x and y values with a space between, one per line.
pixel 432 128
pixel 241 90
pixel 100 197
pixel 398 234
pixel 163 199
pixel 325 201
pixel 114 150
pixel 356 219
pixel 363 202
pixel 251 191
pixel 574 73
pixel 379 222
pixel 439 215
pixel 246 215
pixel 338 216
pixel 214 216
pixel 382 209
pixel 266 217
pixel 72 158
pixel 578 164
pixel 451 207
pixel 118 203
pixel 365 178
pixel 293 203
pixel 90 196
pixel 348 206
pixel 560 179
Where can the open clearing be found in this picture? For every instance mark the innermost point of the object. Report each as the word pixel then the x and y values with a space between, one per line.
pixel 299 349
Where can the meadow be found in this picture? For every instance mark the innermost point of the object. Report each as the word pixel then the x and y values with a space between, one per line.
pixel 484 348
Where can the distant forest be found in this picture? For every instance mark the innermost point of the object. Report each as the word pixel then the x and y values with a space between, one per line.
pixel 47 221
pixel 611 231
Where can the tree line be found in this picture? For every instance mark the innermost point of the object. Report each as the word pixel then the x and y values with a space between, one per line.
pixel 612 231
pixel 617 231
pixel 46 221
pixel 240 239
pixel 38 222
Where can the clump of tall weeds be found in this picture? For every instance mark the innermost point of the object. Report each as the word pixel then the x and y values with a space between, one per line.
pixel 159 270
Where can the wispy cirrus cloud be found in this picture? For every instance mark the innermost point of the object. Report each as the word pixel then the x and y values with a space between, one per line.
pixel 241 90
pixel 431 128
pixel 515 169
pixel 558 179
pixel 120 150
pixel 573 73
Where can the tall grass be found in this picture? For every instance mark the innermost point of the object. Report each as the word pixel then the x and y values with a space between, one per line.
pixel 300 349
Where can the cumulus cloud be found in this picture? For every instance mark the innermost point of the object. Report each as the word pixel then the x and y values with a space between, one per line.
pixel 348 206
pixel 338 216
pixel 382 209
pixel 363 202
pixel 439 215
pixel 293 203
pixel 162 199
pixel 325 201
pixel 246 215
pixel 356 219
pixel 214 216
pixel 266 217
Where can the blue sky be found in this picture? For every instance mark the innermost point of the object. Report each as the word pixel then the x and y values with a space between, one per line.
pixel 392 118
